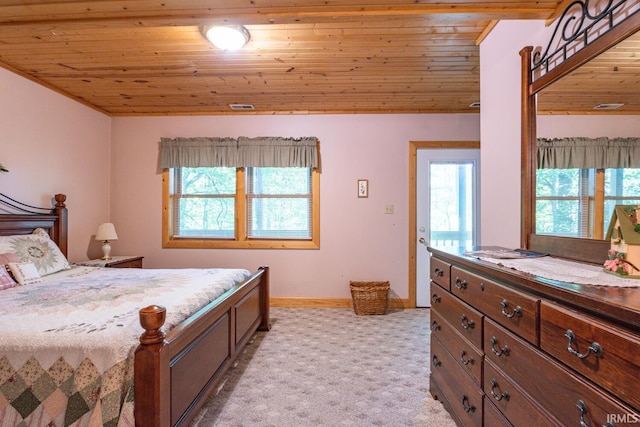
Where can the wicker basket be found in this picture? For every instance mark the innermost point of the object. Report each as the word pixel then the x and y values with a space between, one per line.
pixel 369 297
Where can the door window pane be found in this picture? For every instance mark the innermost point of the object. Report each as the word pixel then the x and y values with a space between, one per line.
pixel 451 204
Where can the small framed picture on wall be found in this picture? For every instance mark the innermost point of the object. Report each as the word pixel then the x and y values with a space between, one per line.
pixel 363 188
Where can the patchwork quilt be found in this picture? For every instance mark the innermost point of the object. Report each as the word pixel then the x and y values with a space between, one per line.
pixel 67 344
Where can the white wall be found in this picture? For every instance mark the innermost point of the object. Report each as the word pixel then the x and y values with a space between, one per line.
pixel 357 240
pixel 51 144
pixel 590 126
pixel 500 130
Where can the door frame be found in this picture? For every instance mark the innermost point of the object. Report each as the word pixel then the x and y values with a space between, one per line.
pixel 414 146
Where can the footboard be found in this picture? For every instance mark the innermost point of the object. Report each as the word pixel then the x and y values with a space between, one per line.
pixel 174 373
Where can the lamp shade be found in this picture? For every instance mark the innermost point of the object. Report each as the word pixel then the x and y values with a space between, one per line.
pixel 227 37
pixel 106 231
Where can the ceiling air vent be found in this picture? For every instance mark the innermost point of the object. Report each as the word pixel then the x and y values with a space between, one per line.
pixel 241 107
pixel 607 106
pixel 475 104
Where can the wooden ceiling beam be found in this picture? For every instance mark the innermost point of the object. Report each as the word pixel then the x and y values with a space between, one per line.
pixel 197 12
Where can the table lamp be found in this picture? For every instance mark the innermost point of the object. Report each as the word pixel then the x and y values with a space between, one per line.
pixel 106 232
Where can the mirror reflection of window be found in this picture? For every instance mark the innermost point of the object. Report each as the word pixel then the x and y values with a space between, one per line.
pixel 566 202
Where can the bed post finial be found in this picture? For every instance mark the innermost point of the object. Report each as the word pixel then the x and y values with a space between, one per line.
pixel 60 228
pixel 152 382
pixel 152 318
pixel 60 199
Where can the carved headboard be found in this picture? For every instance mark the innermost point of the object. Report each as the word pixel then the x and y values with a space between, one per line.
pixel 27 218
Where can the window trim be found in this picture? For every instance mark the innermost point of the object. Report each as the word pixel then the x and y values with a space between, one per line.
pixel 241 241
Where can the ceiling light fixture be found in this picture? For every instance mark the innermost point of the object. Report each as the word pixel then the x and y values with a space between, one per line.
pixel 227 38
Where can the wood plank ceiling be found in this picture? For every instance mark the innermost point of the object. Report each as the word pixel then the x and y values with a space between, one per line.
pixel 148 57
pixel 610 80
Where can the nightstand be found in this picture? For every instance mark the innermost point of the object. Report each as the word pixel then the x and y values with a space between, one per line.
pixel 115 262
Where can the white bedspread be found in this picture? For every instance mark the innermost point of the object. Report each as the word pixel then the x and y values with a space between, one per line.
pixel 86 319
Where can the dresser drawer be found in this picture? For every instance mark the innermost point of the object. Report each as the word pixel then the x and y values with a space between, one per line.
pixel 460 316
pixel 550 384
pixel 515 404
pixel 493 417
pixel 468 356
pixel 440 272
pixel 604 353
pixel 512 309
pixel 134 263
pixel 464 397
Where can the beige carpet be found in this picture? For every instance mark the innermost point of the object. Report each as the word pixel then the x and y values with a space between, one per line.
pixel 329 367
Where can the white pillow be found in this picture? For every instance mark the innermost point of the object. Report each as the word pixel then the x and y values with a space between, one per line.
pixel 25 273
pixel 38 249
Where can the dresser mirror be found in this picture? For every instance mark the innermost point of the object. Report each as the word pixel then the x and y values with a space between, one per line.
pixel 557 81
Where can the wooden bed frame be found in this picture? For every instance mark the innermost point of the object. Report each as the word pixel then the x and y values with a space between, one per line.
pixel 174 372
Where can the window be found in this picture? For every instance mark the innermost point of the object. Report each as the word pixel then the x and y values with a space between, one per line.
pixel 240 192
pixel 252 207
pixel 579 202
pixel 279 202
pixel 203 202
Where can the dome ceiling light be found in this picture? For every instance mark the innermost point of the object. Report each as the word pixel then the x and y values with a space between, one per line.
pixel 227 38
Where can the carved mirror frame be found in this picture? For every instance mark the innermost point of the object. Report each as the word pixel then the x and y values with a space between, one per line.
pixel 580 249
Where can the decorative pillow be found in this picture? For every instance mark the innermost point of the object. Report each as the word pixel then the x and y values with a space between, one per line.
pixel 25 273
pixel 6 281
pixel 40 250
pixel 7 258
pixel 41 232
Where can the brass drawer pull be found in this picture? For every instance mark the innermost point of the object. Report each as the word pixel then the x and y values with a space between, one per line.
pixel 435 326
pixel 594 347
pixel 438 272
pixel 466 405
pixel 582 407
pixel 435 297
pixel 465 361
pixel 461 284
pixel 499 351
pixel 436 362
pixel 467 323
pixel 516 311
pixel 504 395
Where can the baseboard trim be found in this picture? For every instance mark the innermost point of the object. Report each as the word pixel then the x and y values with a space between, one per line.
pixel 329 302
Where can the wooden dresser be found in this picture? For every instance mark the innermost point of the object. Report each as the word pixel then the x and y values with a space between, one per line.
pixel 509 348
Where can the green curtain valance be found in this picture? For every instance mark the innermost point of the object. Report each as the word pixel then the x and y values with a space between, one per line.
pixel 586 153
pixel 239 152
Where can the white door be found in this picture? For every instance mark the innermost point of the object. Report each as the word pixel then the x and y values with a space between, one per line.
pixel 447 202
